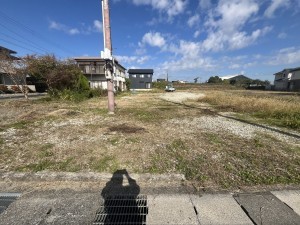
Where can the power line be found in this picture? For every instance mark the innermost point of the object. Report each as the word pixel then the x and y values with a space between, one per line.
pixel 23 42
pixel 33 33
pixel 9 42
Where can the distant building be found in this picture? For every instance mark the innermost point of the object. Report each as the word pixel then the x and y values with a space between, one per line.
pixel 235 78
pixel 6 54
pixel 287 80
pixel 141 78
pixel 161 80
pixel 93 69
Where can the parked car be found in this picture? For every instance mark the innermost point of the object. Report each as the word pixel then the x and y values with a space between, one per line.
pixel 170 88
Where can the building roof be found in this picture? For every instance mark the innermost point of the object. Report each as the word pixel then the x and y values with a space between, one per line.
pixel 140 71
pixel 6 50
pixel 288 70
pixel 94 59
pixel 295 69
pixel 230 77
pixel 7 53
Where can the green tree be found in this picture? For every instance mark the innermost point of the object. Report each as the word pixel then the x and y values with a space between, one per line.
pixel 57 74
pixel 83 83
pixel 214 79
pixel 128 83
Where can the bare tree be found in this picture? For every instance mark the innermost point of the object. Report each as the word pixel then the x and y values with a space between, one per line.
pixel 15 69
pixel 57 74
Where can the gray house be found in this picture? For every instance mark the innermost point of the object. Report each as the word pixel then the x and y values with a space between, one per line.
pixel 287 80
pixel 6 54
pixel 93 69
pixel 141 78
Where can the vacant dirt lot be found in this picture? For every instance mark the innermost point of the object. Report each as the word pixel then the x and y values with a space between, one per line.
pixel 150 133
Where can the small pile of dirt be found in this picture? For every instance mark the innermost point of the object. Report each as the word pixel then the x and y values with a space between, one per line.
pixel 124 128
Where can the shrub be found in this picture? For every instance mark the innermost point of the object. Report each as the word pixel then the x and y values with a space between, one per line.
pixel 128 84
pixel 83 83
pixel 160 85
pixel 97 92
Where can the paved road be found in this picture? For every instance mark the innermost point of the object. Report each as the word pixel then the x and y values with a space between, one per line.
pixel 91 198
pixel 21 96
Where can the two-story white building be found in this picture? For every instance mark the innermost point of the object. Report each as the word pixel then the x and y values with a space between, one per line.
pixel 287 80
pixel 93 69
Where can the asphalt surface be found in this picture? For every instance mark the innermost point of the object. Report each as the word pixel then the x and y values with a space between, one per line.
pixel 21 96
pixel 67 198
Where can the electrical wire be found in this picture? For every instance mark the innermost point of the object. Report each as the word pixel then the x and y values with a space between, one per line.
pixel 33 33
pixel 23 42
pixel 9 42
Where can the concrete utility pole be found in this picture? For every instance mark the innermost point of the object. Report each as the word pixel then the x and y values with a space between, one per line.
pixel 107 55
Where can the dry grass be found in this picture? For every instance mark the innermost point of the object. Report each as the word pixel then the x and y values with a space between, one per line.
pixel 281 109
pixel 64 136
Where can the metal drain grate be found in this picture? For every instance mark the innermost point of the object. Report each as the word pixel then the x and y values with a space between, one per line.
pixel 122 209
pixel 6 199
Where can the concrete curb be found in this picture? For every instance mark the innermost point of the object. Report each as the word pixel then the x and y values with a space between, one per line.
pixel 88 176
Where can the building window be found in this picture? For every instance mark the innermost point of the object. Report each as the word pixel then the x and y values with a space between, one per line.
pixel 87 69
pixel 142 76
pixel 133 76
pixel 148 75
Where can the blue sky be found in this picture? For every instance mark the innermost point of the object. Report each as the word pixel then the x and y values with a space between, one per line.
pixel 187 38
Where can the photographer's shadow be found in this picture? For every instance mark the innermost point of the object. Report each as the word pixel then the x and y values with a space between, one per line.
pixel 122 202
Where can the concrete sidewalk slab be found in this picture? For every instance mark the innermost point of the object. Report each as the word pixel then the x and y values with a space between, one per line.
pixel 65 207
pixel 171 209
pixel 291 198
pixel 219 209
pixel 265 208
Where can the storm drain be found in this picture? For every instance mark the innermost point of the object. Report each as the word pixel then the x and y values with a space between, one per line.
pixel 6 199
pixel 122 209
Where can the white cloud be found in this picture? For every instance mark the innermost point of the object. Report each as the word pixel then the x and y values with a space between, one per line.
pixel 183 64
pixel 83 29
pixel 286 56
pixel 153 39
pixel 187 49
pixel 196 34
pixel 132 59
pixel 233 14
pixel 282 35
pixel 73 31
pixel 205 4
pixel 234 66
pixel 193 20
pixel 276 4
pixel 241 39
pixel 225 25
pixel 143 59
pixel 98 26
pixel 170 7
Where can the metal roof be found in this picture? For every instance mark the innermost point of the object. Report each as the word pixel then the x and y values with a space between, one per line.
pixel 95 58
pixel 288 70
pixel 140 71
pixel 6 50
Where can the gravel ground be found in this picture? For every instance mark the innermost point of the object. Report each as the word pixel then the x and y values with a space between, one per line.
pixel 180 97
pixel 220 123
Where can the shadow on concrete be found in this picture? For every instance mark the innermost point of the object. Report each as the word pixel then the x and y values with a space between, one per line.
pixel 122 202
